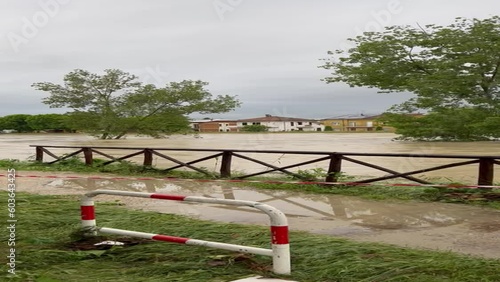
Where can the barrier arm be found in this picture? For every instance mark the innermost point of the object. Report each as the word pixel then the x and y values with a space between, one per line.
pixel 280 251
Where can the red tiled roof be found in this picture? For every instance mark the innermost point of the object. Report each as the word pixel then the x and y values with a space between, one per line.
pixel 353 117
pixel 214 120
pixel 274 118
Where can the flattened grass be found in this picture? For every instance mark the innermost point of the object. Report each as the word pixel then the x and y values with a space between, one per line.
pixel 46 224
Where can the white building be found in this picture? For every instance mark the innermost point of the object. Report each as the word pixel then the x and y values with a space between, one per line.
pixel 280 124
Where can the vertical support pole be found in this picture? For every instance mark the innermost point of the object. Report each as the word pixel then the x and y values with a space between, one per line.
pixel 225 168
pixel 87 153
pixel 486 173
pixel 87 210
pixel 148 157
pixel 39 154
pixel 281 250
pixel 334 168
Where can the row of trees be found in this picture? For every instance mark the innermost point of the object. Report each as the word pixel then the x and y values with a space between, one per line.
pixel 36 123
pixel 452 70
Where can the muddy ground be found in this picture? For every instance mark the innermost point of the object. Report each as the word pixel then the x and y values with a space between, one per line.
pixel 437 226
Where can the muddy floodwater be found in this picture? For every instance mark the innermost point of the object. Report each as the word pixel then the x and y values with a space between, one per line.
pixel 17 146
pixel 435 226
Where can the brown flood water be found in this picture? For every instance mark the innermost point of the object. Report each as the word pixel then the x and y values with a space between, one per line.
pixel 436 226
pixel 17 146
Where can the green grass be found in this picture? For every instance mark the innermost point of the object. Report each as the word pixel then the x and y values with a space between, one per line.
pixel 47 224
pixel 76 165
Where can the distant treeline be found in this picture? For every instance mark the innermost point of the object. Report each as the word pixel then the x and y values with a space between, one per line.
pixel 36 123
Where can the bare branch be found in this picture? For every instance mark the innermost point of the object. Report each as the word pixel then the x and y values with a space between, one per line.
pixel 416 64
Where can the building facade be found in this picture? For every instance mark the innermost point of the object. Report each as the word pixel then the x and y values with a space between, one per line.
pixel 214 126
pixel 282 124
pixel 361 123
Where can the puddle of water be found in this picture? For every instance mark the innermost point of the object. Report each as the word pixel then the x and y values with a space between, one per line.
pixel 330 210
pixel 467 229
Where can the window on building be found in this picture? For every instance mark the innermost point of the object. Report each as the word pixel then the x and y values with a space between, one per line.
pixel 220 124
pixel 299 123
pixel 310 123
pixel 335 123
pixel 227 124
pixel 292 123
pixel 244 123
pixel 352 123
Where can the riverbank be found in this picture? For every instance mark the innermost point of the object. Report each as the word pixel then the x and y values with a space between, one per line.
pixel 47 250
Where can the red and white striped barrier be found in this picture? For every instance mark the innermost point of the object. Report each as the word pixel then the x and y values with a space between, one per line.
pixel 280 251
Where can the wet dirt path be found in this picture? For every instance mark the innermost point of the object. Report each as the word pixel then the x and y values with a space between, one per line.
pixel 436 226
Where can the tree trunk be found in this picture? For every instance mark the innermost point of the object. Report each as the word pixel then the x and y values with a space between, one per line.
pixel 120 135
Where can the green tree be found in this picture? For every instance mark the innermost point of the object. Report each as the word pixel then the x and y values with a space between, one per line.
pixel 48 122
pixel 451 124
pixel 254 128
pixel 115 103
pixel 446 67
pixel 18 123
pixel 328 128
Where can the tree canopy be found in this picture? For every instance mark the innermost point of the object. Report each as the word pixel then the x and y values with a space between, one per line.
pixel 452 70
pixel 115 103
pixel 30 123
pixel 17 122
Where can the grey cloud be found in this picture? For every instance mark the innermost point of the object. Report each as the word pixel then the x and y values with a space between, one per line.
pixel 266 52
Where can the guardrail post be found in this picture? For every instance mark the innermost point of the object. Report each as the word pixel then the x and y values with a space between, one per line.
pixel 87 213
pixel 87 153
pixel 225 168
pixel 281 250
pixel 486 171
pixel 39 154
pixel 148 157
pixel 334 168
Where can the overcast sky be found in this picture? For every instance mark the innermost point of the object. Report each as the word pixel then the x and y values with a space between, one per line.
pixel 265 52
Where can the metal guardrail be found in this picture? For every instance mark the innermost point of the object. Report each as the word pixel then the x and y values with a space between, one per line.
pixel 280 251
